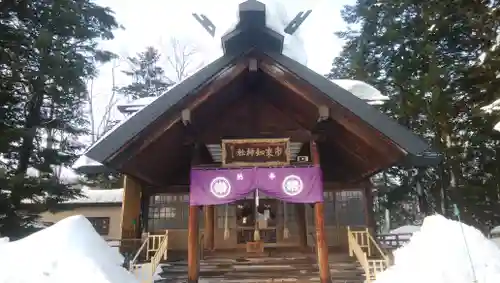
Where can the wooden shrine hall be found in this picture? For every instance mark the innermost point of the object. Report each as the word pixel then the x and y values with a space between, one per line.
pixel 254 151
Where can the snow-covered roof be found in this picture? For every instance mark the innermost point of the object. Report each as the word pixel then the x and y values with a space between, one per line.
pixel 495 230
pixel 134 105
pixel 406 229
pixel 99 196
pixel 91 196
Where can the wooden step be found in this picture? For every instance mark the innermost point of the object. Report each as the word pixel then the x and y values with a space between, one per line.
pixel 263 270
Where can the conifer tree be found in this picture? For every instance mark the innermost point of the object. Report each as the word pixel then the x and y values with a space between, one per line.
pixel 48 50
pixel 148 78
pixel 422 54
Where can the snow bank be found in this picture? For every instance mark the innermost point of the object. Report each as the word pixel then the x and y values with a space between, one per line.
pixel 438 254
pixel 68 251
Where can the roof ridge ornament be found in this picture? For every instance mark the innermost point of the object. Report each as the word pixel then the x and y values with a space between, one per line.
pixel 206 23
pixel 294 25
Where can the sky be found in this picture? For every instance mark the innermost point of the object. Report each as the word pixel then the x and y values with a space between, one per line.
pixel 155 22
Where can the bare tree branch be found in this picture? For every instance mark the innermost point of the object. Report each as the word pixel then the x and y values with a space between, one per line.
pixel 105 120
pixel 180 57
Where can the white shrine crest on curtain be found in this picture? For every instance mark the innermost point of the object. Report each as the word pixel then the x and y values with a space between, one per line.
pixel 220 187
pixel 292 185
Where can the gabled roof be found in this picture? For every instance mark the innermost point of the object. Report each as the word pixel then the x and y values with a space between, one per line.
pixel 236 43
pixel 131 127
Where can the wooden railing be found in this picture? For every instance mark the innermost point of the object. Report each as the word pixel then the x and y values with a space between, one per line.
pixel 155 248
pixel 154 243
pixel 362 239
pixel 159 254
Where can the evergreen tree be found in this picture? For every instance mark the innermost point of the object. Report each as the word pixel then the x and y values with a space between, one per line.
pixel 48 50
pixel 422 54
pixel 148 78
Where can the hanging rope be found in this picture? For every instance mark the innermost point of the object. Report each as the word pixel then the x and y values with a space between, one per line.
pixel 286 232
pixel 226 224
pixel 256 232
pixel 456 211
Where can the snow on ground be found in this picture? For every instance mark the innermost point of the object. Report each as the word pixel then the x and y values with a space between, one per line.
pixel 68 251
pixel 438 254
pixel 143 272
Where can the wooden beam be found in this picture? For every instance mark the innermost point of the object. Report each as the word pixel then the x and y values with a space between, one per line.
pixel 216 85
pixel 209 236
pixel 321 245
pixel 343 116
pixel 298 135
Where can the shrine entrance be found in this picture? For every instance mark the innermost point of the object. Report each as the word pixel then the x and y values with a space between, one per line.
pixel 309 138
pixel 261 217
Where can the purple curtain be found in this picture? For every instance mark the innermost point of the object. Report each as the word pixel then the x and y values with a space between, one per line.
pixel 220 186
pixel 297 185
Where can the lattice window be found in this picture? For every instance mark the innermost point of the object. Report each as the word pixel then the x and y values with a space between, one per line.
pixel 168 211
pixel 329 209
pixel 101 224
pixel 220 216
pixel 350 207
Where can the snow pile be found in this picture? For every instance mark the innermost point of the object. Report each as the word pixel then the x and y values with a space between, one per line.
pixel 68 251
pixel 4 240
pixel 438 254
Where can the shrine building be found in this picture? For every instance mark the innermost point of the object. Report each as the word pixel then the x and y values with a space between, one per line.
pixel 254 148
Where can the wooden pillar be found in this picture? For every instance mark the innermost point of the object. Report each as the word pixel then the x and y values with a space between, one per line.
pixel 321 246
pixel 209 236
pixel 193 245
pixel 301 224
pixel 131 208
pixel 193 231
